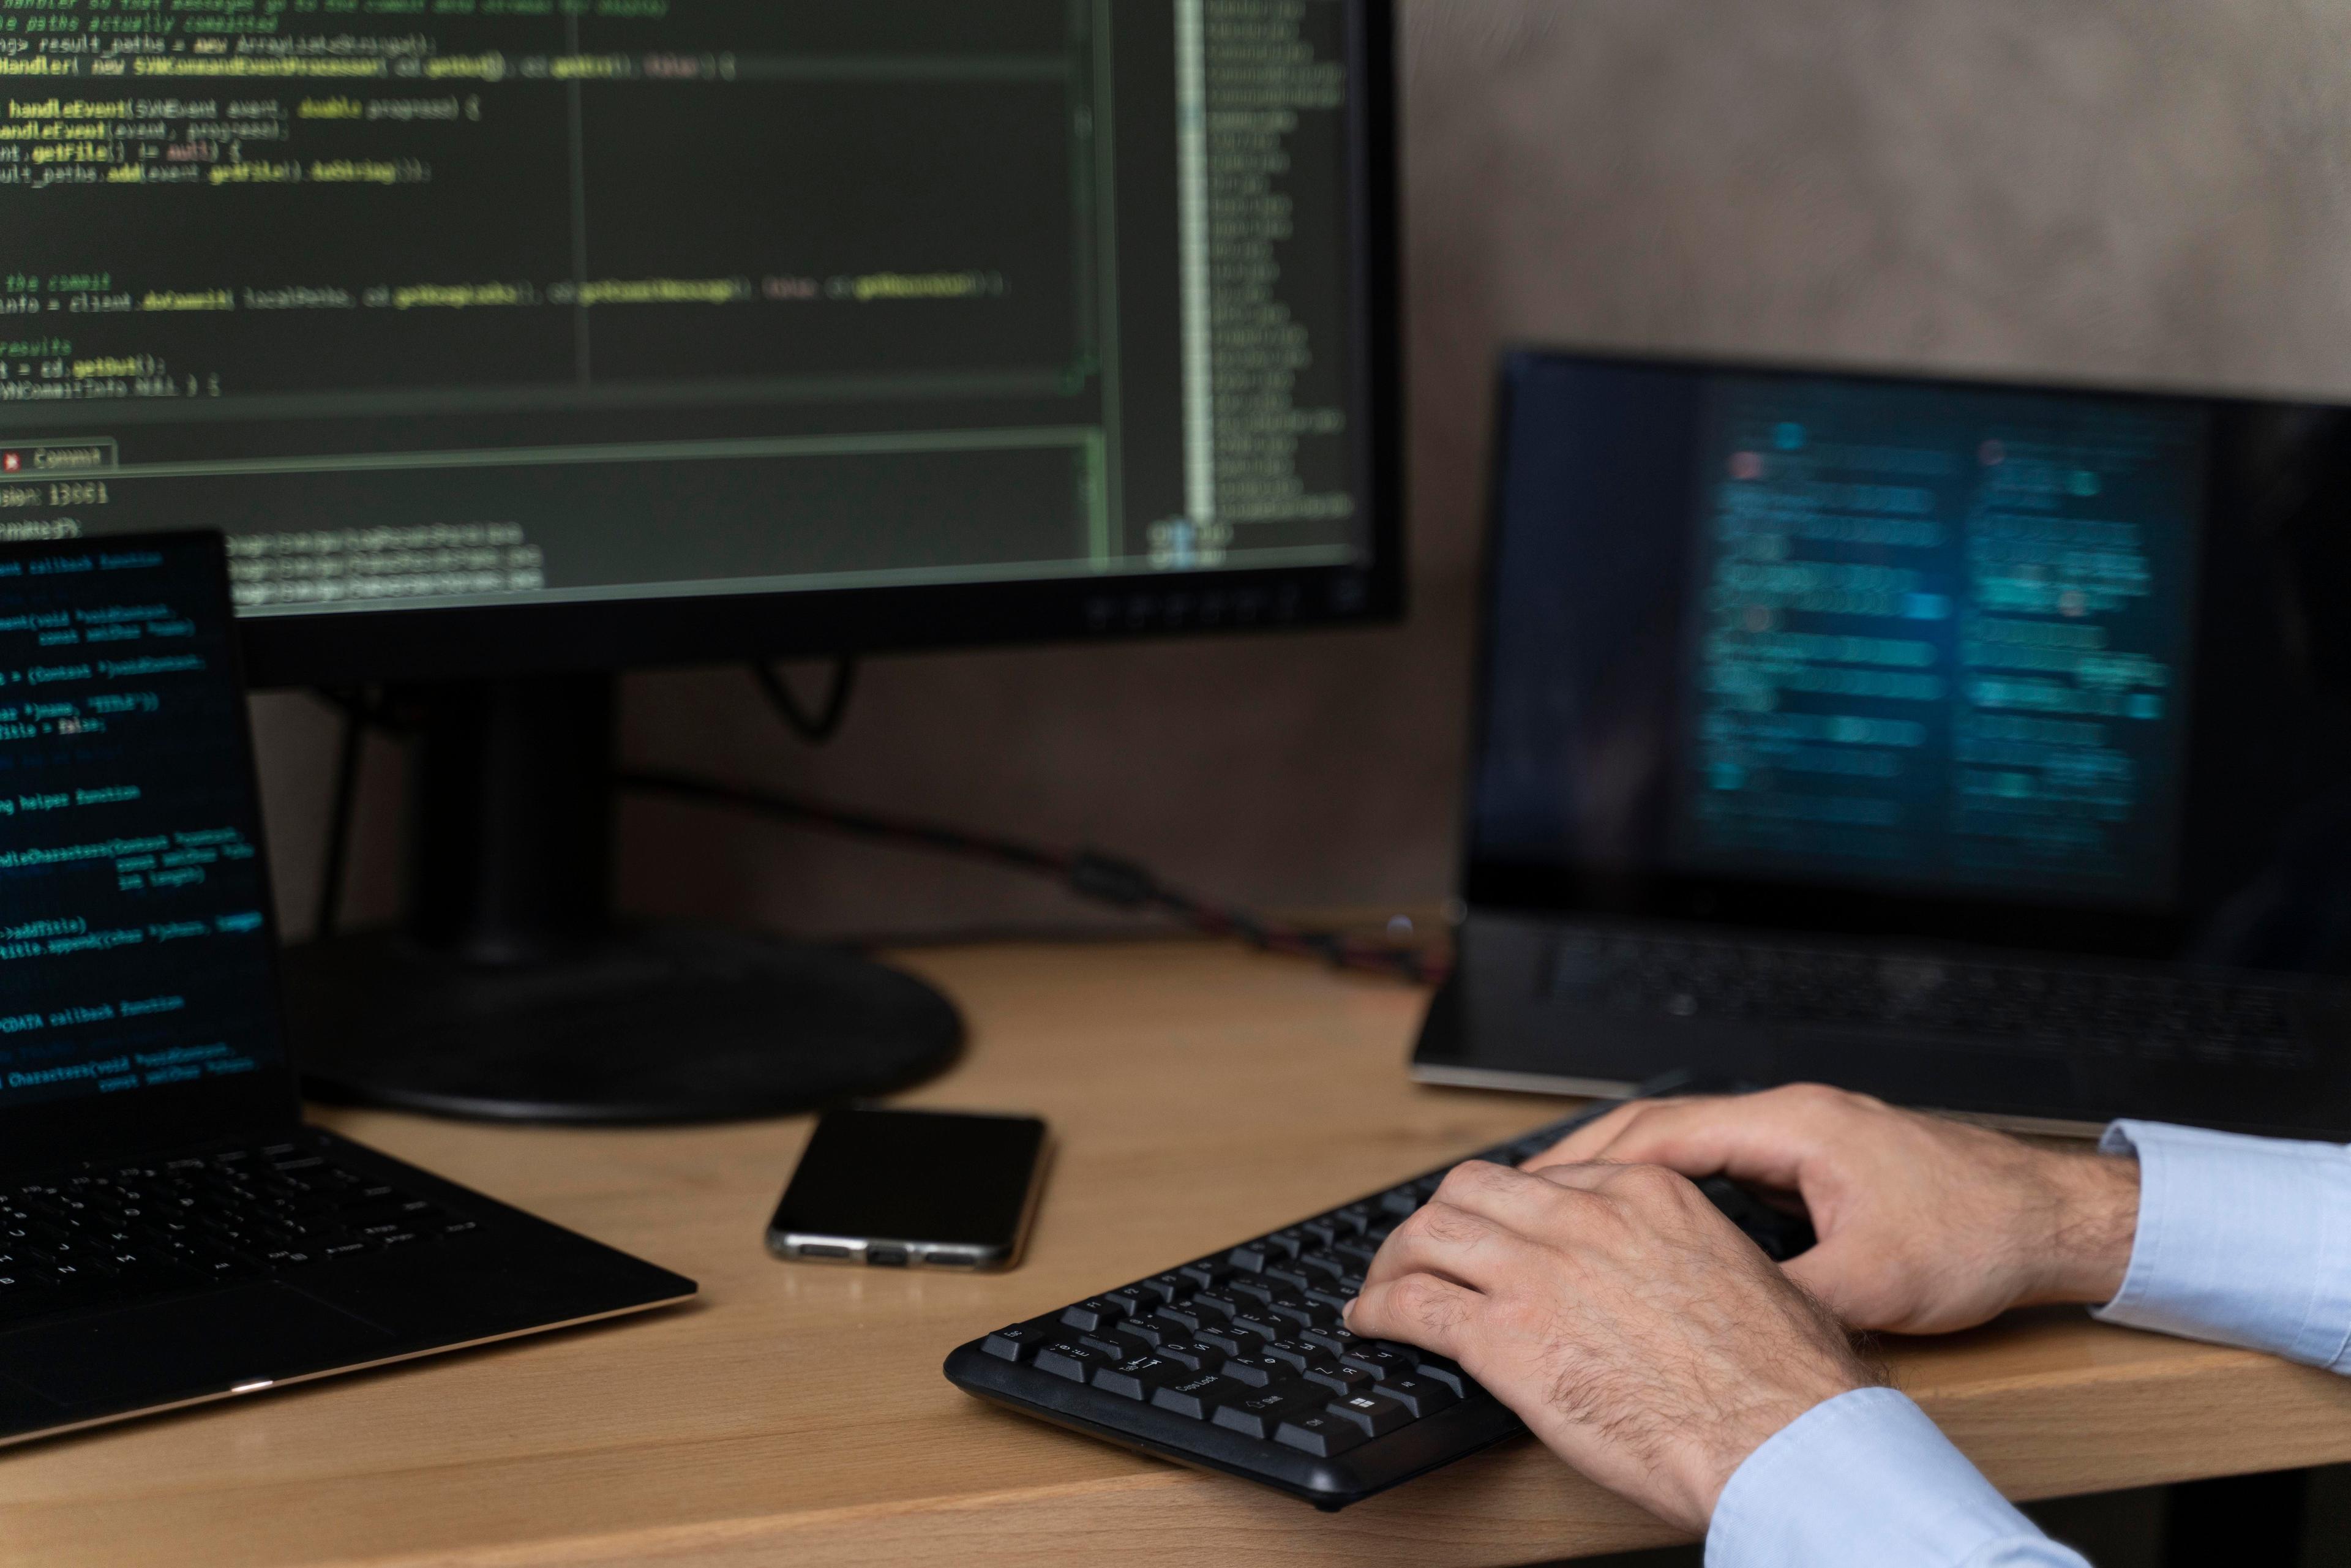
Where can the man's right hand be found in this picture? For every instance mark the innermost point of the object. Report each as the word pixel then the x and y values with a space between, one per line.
pixel 1925 1225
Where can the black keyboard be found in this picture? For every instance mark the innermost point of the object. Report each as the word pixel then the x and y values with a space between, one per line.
pixel 2148 1012
pixel 1238 1362
pixel 101 1236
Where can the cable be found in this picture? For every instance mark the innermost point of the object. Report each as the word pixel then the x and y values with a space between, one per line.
pixel 1091 874
pixel 825 723
pixel 356 720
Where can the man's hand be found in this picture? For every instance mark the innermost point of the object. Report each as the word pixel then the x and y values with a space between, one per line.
pixel 1642 1338
pixel 1925 1225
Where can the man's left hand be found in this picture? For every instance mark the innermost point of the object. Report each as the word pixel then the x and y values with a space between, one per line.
pixel 1633 1328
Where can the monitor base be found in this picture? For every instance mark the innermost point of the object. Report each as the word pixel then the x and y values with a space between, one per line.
pixel 654 1023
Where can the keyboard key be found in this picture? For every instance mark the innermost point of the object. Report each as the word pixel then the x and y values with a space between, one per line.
pixel 1093 1312
pixel 1262 1413
pixel 1325 1261
pixel 1222 1305
pixel 1291 1307
pixel 1207 1273
pixel 1227 1339
pixel 1373 1414
pixel 1337 1377
pixel 1438 1370
pixel 1068 1358
pixel 1379 1360
pixel 1135 1299
pixel 1401 1202
pixel 1168 1286
pixel 1121 1346
pixel 1322 1434
pixel 1337 1341
pixel 1291 1276
pixel 1251 1256
pixel 1296 1351
pixel 1199 1395
pixel 1259 1371
pixel 1190 1316
pixel 1157 1330
pixel 1259 1326
pixel 1421 1395
pixel 1137 1379
pixel 1193 1354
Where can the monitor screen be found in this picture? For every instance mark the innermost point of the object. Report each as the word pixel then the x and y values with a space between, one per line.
pixel 1891 655
pixel 136 947
pixel 540 306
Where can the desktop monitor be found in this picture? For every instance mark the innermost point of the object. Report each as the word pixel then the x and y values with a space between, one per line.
pixel 515 343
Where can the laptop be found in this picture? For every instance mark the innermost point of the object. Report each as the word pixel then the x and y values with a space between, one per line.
pixel 171 1232
pixel 1983 746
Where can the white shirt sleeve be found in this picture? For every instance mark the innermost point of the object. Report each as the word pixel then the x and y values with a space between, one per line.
pixel 1865 1480
pixel 2245 1241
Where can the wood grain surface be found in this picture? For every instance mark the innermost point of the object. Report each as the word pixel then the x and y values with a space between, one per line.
pixel 795 1414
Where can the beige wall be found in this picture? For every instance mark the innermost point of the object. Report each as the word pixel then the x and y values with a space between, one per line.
pixel 2149 190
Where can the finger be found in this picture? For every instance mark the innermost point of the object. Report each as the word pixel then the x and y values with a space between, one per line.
pixel 1453 1244
pixel 1587 1141
pixel 1829 1276
pixel 1516 1201
pixel 1767 1138
pixel 1419 1309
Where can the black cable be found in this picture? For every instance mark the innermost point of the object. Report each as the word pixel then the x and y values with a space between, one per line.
pixel 825 723
pixel 339 817
pixel 1091 874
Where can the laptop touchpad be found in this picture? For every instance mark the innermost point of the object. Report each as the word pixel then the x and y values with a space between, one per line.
pixel 187 1348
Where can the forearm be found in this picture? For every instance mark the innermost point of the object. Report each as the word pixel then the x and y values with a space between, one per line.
pixel 2245 1241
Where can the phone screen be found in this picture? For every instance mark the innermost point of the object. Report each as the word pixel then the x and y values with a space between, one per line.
pixel 926 1176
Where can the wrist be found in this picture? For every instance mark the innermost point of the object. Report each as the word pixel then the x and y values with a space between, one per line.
pixel 1741 1433
pixel 2093 1222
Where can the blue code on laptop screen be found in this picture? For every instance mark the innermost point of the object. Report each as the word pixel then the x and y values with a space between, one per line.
pixel 2064 669
pixel 1939 635
pixel 134 933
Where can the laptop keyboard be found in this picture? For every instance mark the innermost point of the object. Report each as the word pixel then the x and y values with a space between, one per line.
pixel 161 1226
pixel 1240 1362
pixel 2147 1015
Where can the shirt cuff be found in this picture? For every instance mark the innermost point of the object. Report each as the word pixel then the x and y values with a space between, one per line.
pixel 2245 1241
pixel 1865 1480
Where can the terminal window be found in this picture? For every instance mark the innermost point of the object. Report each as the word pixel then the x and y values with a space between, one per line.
pixel 135 953
pixel 1940 639
pixel 465 301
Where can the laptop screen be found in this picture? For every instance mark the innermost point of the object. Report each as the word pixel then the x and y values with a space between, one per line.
pixel 1945 659
pixel 136 950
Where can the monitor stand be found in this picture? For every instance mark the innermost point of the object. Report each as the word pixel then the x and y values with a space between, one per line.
pixel 511 993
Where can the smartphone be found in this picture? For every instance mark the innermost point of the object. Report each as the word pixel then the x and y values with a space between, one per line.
pixel 897 1189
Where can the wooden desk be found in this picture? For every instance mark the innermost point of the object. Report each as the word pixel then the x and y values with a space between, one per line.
pixel 796 1414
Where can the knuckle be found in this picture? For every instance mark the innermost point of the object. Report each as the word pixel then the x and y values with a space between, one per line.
pixel 1478 1175
pixel 1651 1181
pixel 1443 1222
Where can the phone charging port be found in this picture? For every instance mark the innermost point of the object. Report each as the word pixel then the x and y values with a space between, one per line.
pixel 886 1256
